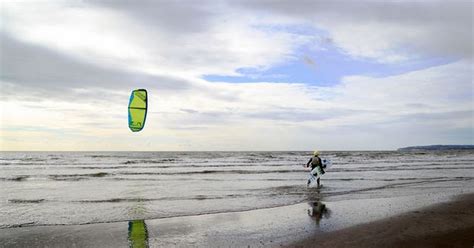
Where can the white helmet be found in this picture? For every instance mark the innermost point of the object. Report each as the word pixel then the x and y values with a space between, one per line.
pixel 316 153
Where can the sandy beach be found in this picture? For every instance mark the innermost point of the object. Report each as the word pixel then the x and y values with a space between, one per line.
pixel 447 224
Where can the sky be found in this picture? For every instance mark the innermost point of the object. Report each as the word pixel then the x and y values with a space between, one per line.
pixel 236 75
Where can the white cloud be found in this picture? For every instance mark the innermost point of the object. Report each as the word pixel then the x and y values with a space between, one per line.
pixel 388 32
pixel 116 38
pixel 373 40
pixel 440 88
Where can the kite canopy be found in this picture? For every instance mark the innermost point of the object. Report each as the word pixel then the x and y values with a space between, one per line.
pixel 137 108
pixel 137 234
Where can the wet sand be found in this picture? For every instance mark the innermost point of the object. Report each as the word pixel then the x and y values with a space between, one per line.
pixel 378 222
pixel 448 224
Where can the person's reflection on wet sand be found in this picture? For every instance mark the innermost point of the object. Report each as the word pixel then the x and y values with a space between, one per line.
pixel 137 234
pixel 317 211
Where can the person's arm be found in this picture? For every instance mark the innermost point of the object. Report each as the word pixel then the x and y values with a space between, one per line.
pixel 307 164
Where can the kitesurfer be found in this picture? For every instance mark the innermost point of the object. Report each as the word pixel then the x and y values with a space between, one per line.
pixel 314 161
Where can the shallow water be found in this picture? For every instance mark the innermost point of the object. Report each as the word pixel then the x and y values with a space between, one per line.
pixel 51 188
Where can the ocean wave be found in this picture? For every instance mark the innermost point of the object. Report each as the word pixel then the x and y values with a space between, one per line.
pixel 183 166
pixel 398 179
pixel 98 174
pixel 142 179
pixel 18 225
pixel 210 172
pixel 15 178
pixel 119 167
pixel 193 197
pixel 25 200
pixel 393 185
pixel 113 200
pixel 69 178
pixel 33 159
pixel 106 156
pixel 22 163
pixel 401 168
pixel 144 161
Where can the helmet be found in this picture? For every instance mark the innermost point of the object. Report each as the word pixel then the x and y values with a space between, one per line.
pixel 316 153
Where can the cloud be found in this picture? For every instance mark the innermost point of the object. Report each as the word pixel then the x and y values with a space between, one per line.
pixel 39 71
pixel 438 88
pixel 182 39
pixel 386 31
pixel 176 17
pixel 361 105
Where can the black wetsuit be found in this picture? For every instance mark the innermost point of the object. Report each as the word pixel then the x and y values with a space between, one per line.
pixel 315 163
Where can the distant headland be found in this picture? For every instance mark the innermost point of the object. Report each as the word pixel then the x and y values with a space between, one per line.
pixel 437 148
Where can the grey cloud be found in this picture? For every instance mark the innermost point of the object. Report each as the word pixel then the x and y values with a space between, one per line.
pixel 415 123
pixel 28 66
pixel 416 105
pixel 448 23
pixel 188 127
pixel 178 17
pixel 275 114
pixel 454 127
pixel 189 111
pixel 301 115
pixel 399 11
pixel 294 115
pixel 29 128
pixel 401 130
pixel 418 119
pixel 440 116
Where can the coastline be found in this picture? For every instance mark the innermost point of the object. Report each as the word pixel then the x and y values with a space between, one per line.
pixel 441 221
pixel 449 224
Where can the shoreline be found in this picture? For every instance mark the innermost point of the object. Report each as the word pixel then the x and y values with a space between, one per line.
pixel 448 224
pixel 437 220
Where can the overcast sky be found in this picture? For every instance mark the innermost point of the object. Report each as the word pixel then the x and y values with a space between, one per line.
pixel 236 75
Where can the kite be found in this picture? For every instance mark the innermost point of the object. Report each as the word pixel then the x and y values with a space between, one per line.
pixel 137 109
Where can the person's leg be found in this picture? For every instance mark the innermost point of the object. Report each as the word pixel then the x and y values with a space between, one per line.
pixel 318 181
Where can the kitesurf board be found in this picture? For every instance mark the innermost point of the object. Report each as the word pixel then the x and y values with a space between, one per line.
pixel 326 163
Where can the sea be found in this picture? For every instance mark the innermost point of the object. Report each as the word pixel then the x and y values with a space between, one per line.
pixel 69 188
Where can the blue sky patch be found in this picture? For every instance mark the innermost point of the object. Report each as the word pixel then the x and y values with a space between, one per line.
pixel 324 68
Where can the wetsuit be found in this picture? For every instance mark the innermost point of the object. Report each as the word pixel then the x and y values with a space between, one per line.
pixel 315 161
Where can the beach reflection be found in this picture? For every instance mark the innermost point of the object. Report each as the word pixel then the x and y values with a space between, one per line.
pixel 137 234
pixel 318 211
